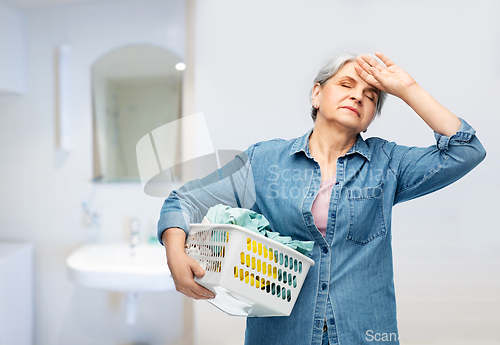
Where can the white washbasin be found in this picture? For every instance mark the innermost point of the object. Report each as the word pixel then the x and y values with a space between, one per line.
pixel 112 266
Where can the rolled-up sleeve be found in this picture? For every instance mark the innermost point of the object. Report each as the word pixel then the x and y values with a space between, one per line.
pixel 230 185
pixel 420 171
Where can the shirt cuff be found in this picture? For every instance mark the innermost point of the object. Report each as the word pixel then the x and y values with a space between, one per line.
pixel 464 134
pixel 173 220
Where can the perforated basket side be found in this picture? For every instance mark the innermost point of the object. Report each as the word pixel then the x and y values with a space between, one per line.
pixel 272 274
pixel 208 246
pixel 265 273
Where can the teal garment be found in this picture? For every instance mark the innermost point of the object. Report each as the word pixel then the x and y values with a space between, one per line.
pixel 221 214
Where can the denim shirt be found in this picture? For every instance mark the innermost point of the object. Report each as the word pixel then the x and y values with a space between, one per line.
pixel 351 285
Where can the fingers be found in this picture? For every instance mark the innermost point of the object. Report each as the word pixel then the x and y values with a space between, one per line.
pixel 366 61
pixel 195 291
pixel 388 62
pixel 191 288
pixel 368 68
pixel 183 269
pixel 196 269
pixel 368 74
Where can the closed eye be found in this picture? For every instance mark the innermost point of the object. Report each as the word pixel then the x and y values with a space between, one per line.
pixel 370 96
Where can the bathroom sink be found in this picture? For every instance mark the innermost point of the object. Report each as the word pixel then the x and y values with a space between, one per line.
pixel 115 266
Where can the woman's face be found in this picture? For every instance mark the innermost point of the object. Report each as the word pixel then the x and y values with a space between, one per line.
pixel 346 100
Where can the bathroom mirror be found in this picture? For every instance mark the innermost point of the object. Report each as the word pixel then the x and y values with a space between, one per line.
pixel 135 89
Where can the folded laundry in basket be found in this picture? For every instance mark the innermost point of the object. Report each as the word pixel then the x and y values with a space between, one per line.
pixel 222 214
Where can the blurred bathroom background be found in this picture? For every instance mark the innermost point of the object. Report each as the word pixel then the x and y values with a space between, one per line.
pixel 249 68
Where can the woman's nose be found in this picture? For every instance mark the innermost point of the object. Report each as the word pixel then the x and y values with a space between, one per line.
pixel 355 99
pixel 356 95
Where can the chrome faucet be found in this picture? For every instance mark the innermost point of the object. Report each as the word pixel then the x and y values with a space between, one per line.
pixel 134 234
pixel 92 222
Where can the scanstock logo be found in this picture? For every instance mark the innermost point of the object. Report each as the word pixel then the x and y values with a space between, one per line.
pixel 184 148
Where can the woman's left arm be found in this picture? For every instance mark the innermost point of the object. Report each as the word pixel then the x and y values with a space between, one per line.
pixel 394 80
pixel 421 171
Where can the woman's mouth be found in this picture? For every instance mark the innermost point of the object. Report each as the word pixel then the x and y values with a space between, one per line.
pixel 354 110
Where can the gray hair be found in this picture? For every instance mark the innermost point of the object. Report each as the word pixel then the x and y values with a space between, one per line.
pixel 329 69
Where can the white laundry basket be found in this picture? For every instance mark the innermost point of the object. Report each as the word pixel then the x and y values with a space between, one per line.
pixel 251 275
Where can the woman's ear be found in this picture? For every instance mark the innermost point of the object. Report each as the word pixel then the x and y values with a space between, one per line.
pixel 316 91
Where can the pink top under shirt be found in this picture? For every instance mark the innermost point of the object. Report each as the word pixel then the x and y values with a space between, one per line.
pixel 321 204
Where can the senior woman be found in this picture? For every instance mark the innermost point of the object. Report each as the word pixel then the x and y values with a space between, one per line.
pixel 335 188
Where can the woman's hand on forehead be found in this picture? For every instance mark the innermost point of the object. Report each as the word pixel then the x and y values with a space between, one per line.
pixel 389 78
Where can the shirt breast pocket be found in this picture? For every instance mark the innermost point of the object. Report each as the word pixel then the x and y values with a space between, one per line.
pixel 366 214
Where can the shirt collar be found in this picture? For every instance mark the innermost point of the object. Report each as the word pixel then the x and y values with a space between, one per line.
pixel 302 144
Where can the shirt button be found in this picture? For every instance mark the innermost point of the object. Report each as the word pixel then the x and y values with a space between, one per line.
pixel 332 321
pixel 341 161
pixel 323 286
pixel 325 250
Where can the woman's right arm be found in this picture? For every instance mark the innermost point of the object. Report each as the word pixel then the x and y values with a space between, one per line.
pixel 230 185
pixel 182 267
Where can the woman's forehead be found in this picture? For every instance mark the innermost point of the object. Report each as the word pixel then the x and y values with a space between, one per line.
pixel 348 70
